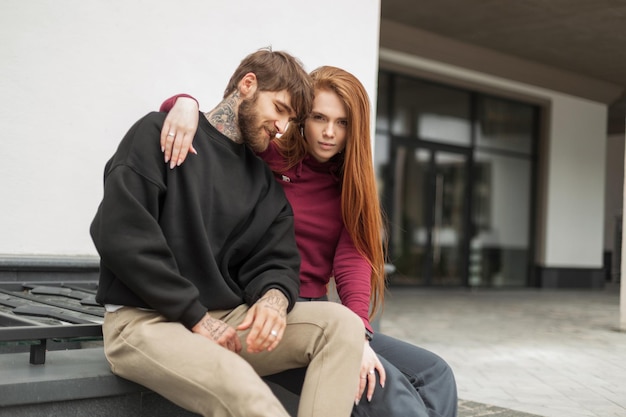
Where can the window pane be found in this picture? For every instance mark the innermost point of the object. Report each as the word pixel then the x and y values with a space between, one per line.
pixel 449 217
pixel 382 118
pixel 506 125
pixel 409 225
pixel 501 215
pixel 381 160
pixel 431 112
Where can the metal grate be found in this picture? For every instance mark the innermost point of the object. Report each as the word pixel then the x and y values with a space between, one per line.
pixel 35 312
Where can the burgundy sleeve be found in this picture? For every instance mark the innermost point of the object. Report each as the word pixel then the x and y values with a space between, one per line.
pixel 167 105
pixel 353 278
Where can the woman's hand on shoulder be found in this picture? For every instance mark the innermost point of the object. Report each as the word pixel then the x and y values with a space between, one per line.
pixel 178 131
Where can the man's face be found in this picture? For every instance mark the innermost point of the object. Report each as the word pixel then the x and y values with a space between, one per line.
pixel 264 115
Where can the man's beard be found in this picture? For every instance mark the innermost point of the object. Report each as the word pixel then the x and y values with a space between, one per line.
pixel 252 132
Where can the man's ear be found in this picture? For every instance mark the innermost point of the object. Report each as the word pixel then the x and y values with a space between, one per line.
pixel 248 85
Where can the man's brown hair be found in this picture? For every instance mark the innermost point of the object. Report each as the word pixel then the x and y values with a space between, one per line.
pixel 277 71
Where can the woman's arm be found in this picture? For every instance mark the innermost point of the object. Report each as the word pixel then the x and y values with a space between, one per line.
pixel 179 128
pixel 353 280
pixel 353 276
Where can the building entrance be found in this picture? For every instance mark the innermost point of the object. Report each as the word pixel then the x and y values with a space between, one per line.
pixel 429 222
pixel 455 171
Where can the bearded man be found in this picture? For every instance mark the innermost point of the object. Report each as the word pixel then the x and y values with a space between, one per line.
pixel 199 265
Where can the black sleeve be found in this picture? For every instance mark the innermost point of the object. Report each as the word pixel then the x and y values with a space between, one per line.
pixel 275 260
pixel 127 234
pixel 275 263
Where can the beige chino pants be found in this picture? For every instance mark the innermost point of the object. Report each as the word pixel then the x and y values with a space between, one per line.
pixel 203 377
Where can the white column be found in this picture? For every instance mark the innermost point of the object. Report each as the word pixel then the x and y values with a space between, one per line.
pixel 622 293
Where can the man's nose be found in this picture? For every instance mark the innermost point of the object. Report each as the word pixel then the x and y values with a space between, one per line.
pixel 280 130
pixel 281 125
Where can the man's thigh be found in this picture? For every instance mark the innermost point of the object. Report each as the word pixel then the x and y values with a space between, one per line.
pixel 178 364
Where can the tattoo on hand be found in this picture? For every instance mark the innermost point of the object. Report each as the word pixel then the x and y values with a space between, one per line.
pixel 275 302
pixel 215 327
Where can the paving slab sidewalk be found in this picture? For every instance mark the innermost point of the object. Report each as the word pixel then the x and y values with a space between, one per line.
pixel 473 409
pixel 549 353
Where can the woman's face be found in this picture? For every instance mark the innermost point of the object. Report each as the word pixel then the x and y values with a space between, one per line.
pixel 326 128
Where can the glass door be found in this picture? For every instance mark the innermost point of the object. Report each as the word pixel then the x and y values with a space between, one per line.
pixel 428 243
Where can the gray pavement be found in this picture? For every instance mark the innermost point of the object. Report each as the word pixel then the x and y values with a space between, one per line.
pixel 551 353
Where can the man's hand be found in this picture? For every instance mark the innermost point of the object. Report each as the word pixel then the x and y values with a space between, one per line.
pixel 219 332
pixel 267 320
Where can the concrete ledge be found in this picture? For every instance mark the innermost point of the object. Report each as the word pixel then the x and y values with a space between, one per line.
pixel 48 262
pixel 20 268
pixel 139 405
pixel 79 382
pixel 67 375
pixel 74 383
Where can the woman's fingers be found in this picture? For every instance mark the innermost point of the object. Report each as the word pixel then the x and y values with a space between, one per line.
pixel 371 383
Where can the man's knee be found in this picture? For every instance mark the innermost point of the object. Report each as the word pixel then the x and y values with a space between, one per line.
pixel 329 316
pixel 350 318
pixel 348 326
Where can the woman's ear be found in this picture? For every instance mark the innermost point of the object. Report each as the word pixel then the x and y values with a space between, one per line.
pixel 248 85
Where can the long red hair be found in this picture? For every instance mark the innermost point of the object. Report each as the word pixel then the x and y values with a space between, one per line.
pixel 360 207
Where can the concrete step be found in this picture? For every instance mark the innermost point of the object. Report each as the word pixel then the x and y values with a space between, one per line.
pixel 78 382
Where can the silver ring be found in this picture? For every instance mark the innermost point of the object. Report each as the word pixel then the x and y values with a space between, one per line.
pixel 372 371
pixel 171 134
pixel 274 333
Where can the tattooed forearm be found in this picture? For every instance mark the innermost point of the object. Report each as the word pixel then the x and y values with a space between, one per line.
pixel 224 117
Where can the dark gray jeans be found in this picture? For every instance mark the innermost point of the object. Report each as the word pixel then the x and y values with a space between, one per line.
pixel 431 377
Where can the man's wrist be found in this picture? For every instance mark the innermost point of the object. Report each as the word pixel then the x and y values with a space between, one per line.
pixel 275 292
pixel 276 299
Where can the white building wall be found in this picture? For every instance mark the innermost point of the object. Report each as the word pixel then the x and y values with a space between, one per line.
pixel 574 217
pixel 76 74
